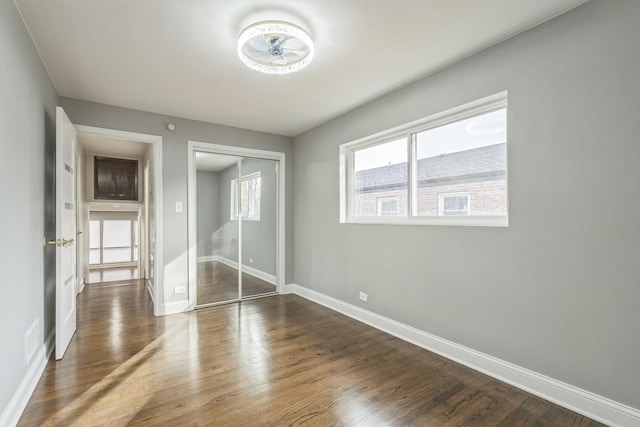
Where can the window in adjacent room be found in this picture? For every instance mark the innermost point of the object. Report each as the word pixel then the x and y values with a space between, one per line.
pixel 250 187
pixel 113 240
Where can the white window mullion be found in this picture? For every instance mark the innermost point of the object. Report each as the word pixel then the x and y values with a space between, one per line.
pixel 239 207
pixel 133 241
pixel 351 185
pixel 101 242
pixel 412 177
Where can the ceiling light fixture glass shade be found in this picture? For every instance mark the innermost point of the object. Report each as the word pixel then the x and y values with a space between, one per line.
pixel 275 47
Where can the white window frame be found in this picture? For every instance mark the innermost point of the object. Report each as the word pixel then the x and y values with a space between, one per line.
pixel 381 200
pixel 235 192
pixel 408 131
pixel 442 196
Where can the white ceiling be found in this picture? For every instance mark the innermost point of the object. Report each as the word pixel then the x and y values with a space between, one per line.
pixel 179 57
pixel 112 147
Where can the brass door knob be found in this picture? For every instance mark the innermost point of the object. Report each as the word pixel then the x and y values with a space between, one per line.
pixel 60 242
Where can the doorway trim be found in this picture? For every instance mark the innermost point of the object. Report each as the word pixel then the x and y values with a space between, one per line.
pixel 157 295
pixel 194 146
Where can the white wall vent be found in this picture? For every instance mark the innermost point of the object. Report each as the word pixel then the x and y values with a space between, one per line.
pixel 31 341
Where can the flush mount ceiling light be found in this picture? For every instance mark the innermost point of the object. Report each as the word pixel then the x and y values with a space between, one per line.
pixel 275 47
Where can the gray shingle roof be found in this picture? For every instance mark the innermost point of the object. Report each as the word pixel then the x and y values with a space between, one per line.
pixel 489 161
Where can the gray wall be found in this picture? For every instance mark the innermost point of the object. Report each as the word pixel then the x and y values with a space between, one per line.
pixel 557 291
pixel 174 170
pixel 27 144
pixel 207 205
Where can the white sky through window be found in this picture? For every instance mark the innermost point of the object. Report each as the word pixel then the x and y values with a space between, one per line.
pixel 480 131
pixel 389 153
pixel 475 132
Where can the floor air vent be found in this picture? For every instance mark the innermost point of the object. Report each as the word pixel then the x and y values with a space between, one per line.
pixel 31 341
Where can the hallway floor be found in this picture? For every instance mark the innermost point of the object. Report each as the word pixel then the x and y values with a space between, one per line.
pixel 114 274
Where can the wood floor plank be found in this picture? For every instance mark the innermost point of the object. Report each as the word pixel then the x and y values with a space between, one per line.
pixel 274 361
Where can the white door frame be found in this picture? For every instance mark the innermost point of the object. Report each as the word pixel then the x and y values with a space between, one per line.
pixel 80 265
pixel 194 146
pixel 158 289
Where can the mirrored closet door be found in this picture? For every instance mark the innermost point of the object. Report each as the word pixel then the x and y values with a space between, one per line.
pixel 258 207
pixel 236 227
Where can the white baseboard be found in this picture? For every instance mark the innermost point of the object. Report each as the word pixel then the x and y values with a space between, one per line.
pixel 150 290
pixel 12 413
pixel 269 278
pixel 584 402
pixel 175 307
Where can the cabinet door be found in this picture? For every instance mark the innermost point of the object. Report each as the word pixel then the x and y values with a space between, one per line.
pixel 115 179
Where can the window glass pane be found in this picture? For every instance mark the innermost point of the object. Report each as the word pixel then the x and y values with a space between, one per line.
pixel 381 172
pixel 94 234
pixel 116 233
pixel 94 256
pixel 244 198
pixel 254 205
pixel 234 199
pixel 116 255
pixel 468 156
pixel 250 188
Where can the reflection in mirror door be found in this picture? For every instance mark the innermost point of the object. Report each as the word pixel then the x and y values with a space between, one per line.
pixel 236 227
pixel 258 215
pixel 217 231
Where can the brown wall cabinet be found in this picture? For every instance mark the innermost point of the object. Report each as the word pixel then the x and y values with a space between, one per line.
pixel 115 179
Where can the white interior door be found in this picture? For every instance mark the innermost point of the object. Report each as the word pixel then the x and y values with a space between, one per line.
pixel 65 232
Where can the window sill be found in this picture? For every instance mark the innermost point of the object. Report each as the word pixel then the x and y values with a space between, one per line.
pixel 485 221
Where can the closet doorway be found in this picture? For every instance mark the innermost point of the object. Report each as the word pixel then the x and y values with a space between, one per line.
pixel 236 218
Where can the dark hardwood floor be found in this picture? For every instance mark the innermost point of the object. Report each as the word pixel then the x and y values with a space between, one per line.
pixel 218 282
pixel 274 361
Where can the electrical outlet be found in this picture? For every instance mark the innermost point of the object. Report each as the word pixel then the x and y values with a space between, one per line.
pixel 179 290
pixel 250 260
pixel 179 207
pixel 364 297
